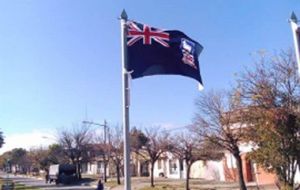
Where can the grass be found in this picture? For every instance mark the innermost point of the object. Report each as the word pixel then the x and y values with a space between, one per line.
pixel 17 186
pixel 163 187
pixel 111 183
pixel 23 187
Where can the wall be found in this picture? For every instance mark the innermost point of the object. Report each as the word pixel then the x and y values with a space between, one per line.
pixel 251 172
pixel 209 170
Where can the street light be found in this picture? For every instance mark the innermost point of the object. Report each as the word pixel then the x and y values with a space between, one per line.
pixel 102 125
pixel 105 130
pixel 50 139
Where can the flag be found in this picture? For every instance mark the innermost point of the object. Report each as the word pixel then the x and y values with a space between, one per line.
pixel 296 36
pixel 151 51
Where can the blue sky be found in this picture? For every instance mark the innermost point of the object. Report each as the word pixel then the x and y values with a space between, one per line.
pixel 60 59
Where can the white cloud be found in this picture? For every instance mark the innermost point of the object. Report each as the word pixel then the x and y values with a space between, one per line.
pixel 34 139
pixel 167 126
pixel 170 127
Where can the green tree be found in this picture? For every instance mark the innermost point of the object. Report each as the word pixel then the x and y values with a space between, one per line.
pixel 1 139
pixel 56 155
pixel 42 158
pixel 19 158
pixel 271 90
pixel 137 141
pixel 4 158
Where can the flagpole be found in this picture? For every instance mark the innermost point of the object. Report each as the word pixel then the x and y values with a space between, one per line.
pixel 125 90
pixel 293 21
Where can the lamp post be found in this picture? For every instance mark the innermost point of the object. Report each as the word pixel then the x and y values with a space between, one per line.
pixel 104 125
pixel 50 138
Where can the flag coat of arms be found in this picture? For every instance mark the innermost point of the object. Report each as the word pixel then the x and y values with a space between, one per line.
pixel 152 51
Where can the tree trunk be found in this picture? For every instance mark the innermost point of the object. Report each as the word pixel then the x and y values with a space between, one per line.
pixel 118 174
pixel 180 168
pixel 105 167
pixel 152 174
pixel 78 170
pixel 136 165
pixel 240 171
pixel 187 180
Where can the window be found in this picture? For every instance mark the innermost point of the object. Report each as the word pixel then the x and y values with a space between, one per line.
pixel 99 164
pixel 231 162
pixel 100 167
pixel 173 167
pixel 159 164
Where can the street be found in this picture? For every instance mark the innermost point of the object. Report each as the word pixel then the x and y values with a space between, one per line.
pixel 40 183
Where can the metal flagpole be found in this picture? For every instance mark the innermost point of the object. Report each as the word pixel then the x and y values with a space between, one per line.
pixel 125 90
pixel 293 21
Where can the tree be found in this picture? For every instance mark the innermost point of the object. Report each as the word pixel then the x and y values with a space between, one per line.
pixel 102 148
pixel 158 143
pixel 75 144
pixel 17 158
pixel 43 157
pixel 188 148
pixel 116 144
pixel 4 158
pixel 1 139
pixel 271 90
pixel 219 121
pixel 20 160
pixel 37 156
pixel 104 151
pixel 56 155
pixel 137 141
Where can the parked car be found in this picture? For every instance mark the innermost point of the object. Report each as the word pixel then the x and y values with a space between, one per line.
pixel 62 173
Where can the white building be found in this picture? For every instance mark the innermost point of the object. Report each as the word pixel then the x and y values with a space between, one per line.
pixel 169 166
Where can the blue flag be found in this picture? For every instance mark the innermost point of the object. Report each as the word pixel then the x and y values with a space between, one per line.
pixel 152 51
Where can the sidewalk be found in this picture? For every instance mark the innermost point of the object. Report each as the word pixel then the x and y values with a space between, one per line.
pixel 138 183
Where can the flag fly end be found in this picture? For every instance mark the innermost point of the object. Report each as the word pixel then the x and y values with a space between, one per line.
pixel 200 87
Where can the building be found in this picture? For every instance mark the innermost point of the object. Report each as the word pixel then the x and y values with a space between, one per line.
pixel 251 171
pixel 95 164
pixel 171 167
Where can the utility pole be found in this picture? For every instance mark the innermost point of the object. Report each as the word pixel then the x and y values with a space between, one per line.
pixel 104 125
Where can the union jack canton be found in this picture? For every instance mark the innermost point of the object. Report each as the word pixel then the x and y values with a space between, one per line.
pixel 147 34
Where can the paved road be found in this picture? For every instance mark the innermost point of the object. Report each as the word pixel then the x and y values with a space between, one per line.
pixel 137 183
pixel 40 183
